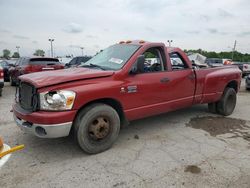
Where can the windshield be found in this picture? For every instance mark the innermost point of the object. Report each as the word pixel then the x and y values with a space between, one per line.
pixel 113 57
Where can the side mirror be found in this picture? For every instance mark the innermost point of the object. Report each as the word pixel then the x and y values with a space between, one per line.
pixel 138 67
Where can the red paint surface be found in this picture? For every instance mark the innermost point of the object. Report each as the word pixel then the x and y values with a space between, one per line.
pixel 185 88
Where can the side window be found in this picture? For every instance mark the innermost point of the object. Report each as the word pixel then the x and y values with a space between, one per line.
pixel 79 60
pixel 18 62
pixel 24 61
pixel 177 61
pixel 73 61
pixel 154 61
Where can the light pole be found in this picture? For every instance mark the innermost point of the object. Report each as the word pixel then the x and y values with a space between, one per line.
pixel 169 42
pixel 234 50
pixel 82 50
pixel 51 47
pixel 17 48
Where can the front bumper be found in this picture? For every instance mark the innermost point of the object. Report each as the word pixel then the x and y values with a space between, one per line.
pixel 44 124
pixel 42 130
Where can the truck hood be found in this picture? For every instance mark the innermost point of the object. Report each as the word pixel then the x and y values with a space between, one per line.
pixel 48 78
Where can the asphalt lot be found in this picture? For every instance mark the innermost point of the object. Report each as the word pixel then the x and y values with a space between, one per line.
pixel 186 148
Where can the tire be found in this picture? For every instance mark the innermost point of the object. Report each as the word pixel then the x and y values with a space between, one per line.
pixel 96 128
pixel 227 103
pixel 212 107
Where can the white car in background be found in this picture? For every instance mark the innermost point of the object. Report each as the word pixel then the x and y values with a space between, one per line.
pixel 244 67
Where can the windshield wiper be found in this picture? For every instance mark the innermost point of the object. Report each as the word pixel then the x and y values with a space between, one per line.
pixel 94 65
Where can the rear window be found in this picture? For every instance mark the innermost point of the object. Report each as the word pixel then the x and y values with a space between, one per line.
pixel 44 61
pixel 213 61
pixel 83 59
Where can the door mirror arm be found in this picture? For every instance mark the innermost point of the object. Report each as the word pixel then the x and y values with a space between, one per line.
pixel 138 66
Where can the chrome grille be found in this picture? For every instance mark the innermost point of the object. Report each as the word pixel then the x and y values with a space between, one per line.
pixel 27 96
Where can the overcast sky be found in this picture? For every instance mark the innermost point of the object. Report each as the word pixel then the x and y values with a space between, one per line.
pixel 96 24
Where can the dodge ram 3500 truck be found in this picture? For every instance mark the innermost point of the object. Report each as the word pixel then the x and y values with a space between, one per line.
pixel 126 81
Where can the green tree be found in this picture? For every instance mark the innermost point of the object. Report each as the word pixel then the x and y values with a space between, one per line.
pixel 16 55
pixel 237 56
pixel 149 55
pixel 39 52
pixel 6 53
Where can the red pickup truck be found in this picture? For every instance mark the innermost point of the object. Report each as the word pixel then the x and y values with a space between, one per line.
pixel 126 81
pixel 26 65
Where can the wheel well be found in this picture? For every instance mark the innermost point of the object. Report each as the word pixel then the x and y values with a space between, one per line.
pixel 233 84
pixel 114 104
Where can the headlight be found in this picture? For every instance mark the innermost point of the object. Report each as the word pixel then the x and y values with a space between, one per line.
pixel 57 100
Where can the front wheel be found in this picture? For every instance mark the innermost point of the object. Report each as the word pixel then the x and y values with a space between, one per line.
pixel 96 128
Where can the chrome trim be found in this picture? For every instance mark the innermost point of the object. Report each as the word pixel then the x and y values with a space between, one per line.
pixel 48 68
pixel 52 130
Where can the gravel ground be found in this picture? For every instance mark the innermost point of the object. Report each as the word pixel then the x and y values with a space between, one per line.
pixel 186 148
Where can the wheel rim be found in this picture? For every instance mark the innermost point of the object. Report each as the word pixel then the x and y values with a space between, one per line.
pixel 99 128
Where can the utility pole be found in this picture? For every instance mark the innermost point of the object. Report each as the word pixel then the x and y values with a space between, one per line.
pixel 51 47
pixel 17 49
pixel 169 42
pixel 235 42
pixel 82 50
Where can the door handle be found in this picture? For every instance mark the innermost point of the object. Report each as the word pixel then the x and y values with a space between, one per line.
pixel 165 80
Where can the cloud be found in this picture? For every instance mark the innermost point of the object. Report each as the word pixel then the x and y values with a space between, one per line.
pixel 20 37
pixel 150 29
pixel 212 31
pixel 204 17
pixel 151 6
pixel 91 36
pixel 4 31
pixel 74 46
pixel 34 42
pixel 215 31
pixel 73 28
pixel 3 42
pixel 224 14
pixel 190 23
pixel 195 32
pixel 244 34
